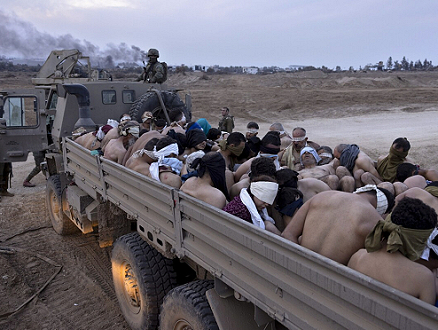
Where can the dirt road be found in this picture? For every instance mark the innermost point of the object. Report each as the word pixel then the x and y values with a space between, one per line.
pixel 370 111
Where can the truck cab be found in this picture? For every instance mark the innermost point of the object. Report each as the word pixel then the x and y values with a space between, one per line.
pixel 23 124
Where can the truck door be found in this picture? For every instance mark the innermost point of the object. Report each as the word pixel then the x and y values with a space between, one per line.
pixel 22 124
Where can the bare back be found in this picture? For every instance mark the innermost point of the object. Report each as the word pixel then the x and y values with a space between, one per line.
pixel 115 150
pixel 113 133
pixel 422 195
pixel 396 270
pixel 88 141
pixel 142 140
pixel 139 165
pixel 365 163
pixel 333 224
pixel 310 187
pixel 204 192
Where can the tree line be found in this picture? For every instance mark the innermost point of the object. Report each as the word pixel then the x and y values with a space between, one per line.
pixel 407 65
pixel 126 68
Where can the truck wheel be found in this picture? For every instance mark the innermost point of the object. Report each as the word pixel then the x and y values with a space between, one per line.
pixel 60 222
pixel 186 307
pixel 142 277
pixel 149 102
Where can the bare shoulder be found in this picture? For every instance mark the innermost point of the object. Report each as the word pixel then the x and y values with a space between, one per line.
pixel 187 186
pixel 363 157
pixel 217 198
pixel 312 183
pixel 356 259
pixel 243 169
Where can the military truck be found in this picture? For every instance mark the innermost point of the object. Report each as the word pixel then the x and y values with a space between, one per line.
pixel 177 262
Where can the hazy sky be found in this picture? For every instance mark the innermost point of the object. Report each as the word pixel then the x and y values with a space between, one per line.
pixel 226 32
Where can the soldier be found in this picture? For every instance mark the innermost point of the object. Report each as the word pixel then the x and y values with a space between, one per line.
pixel 226 124
pixel 39 157
pixel 154 72
pixel 5 174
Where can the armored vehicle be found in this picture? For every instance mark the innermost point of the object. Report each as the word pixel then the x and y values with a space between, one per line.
pixel 31 115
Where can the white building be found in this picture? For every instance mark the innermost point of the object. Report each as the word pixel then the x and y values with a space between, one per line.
pixel 251 69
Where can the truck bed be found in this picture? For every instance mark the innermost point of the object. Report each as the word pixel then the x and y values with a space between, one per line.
pixel 293 285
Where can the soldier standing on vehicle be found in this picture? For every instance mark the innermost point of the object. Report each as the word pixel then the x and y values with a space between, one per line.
pixel 226 124
pixel 154 71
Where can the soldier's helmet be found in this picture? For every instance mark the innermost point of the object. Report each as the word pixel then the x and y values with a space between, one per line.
pixel 153 52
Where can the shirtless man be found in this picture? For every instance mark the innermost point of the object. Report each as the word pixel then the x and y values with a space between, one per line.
pixel 146 124
pixel 116 149
pixel 269 148
pixel 411 175
pixel 93 140
pixel 326 155
pixel 309 187
pixel 159 125
pixel 252 129
pixel 397 268
pixel 325 173
pixel 359 164
pixel 387 165
pixel 392 166
pixel 230 149
pixel 177 122
pixel 168 167
pixel 285 138
pixel 141 142
pixel 334 224
pixel 291 155
pixel 195 140
pixel 90 141
pixel 209 186
pixel 114 133
pixel 259 166
pixel 429 195
pixel 383 200
pixel 141 160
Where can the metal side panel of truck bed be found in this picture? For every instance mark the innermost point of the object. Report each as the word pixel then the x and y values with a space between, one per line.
pixel 293 285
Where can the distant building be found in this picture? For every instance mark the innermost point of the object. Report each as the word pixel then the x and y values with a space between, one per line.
pixel 292 68
pixel 200 68
pixel 250 69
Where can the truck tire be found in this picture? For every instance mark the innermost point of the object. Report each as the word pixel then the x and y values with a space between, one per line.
pixel 142 277
pixel 186 307
pixel 60 222
pixel 149 102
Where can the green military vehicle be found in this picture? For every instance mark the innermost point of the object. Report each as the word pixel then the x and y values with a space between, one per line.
pixel 177 262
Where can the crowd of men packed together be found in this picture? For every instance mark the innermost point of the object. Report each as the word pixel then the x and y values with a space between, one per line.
pixel 378 217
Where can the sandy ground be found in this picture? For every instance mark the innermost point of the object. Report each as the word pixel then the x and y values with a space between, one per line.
pixel 369 109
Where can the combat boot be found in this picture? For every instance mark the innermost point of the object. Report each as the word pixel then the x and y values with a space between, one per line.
pixel 4 191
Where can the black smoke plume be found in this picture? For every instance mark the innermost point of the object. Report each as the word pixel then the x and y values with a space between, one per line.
pixel 21 39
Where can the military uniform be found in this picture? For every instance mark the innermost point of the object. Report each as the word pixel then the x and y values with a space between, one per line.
pixel 5 175
pixel 155 72
pixel 39 157
pixel 226 124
